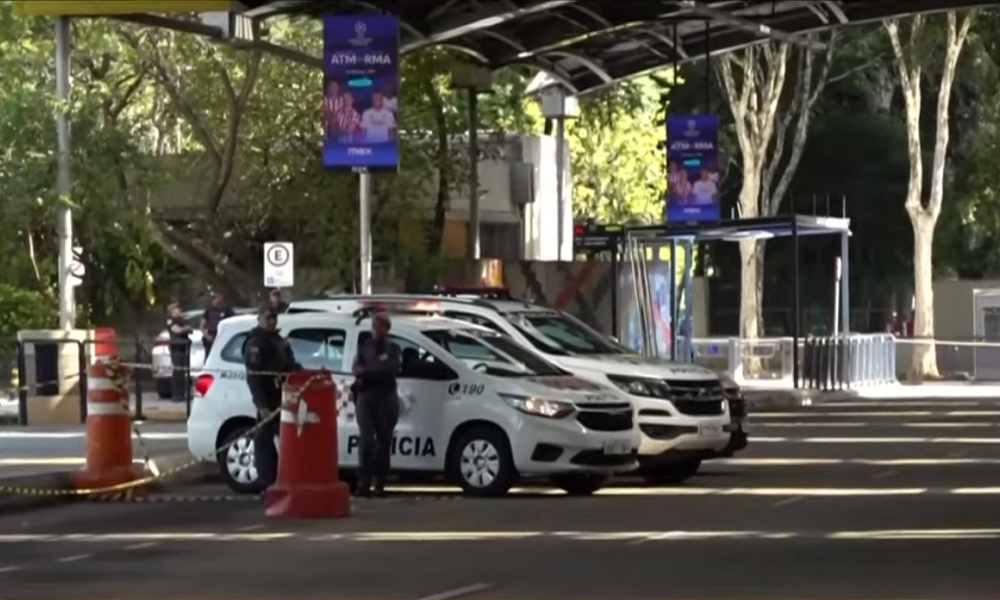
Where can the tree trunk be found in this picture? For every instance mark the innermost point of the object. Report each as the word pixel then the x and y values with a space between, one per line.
pixel 751 288
pixel 924 354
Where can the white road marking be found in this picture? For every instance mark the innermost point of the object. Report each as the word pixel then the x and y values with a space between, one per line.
pixel 884 462
pixel 10 569
pixel 459 592
pixel 914 424
pixel 883 475
pixel 894 403
pixel 142 546
pixel 874 413
pixel 787 501
pixel 74 558
pixel 873 440
pixel 251 527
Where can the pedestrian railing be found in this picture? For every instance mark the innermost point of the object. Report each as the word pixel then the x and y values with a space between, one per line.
pixel 848 362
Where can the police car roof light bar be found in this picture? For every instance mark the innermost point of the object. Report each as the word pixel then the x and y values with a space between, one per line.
pixel 494 293
pixel 403 308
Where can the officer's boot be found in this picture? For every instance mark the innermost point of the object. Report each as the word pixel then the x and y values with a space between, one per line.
pixel 379 488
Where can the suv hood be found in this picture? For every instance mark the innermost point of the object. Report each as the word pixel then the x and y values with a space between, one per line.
pixel 570 389
pixel 634 365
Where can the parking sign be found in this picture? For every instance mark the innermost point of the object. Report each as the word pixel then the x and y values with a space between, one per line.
pixel 279 264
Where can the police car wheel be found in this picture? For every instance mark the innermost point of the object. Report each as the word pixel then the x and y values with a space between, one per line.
pixel 672 473
pixel 236 464
pixel 482 463
pixel 578 484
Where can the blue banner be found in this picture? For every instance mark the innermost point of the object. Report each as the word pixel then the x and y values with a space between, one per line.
pixel 361 87
pixel 693 168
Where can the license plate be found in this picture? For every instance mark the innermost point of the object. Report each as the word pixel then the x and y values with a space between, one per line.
pixel 617 448
pixel 710 429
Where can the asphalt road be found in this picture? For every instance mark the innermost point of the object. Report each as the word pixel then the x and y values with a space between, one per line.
pixel 868 501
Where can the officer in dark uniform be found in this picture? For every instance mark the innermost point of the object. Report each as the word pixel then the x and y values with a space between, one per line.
pixel 267 357
pixel 210 320
pixel 278 302
pixel 376 367
pixel 180 352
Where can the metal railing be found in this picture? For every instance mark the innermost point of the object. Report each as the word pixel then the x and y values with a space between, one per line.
pixel 849 361
pixel 825 363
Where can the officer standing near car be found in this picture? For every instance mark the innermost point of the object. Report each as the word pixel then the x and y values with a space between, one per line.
pixel 376 367
pixel 213 315
pixel 267 357
pixel 180 352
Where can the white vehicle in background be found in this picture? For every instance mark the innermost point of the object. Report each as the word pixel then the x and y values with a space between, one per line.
pixel 686 413
pixel 163 367
pixel 476 406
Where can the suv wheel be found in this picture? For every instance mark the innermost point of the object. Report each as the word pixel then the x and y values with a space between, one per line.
pixel 236 463
pixel 481 461
pixel 580 484
pixel 672 473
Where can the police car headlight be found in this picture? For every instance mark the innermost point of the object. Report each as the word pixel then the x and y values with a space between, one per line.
pixel 539 407
pixel 651 388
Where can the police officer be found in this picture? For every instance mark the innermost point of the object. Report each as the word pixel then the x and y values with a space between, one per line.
pixel 376 367
pixel 180 351
pixel 277 301
pixel 267 356
pixel 211 318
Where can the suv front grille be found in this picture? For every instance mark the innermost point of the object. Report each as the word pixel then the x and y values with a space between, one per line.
pixel 606 421
pixel 697 398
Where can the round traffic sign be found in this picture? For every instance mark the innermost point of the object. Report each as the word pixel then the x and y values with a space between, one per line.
pixel 277 255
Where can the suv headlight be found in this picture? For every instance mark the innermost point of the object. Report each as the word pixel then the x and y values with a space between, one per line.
pixel 651 388
pixel 539 407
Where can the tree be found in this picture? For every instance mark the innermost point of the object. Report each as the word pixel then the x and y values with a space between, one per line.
pixel 911 57
pixel 769 121
pixel 616 129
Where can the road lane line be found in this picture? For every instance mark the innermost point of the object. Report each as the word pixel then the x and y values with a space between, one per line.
pixel 251 527
pixel 142 546
pixel 9 569
pixel 883 462
pixel 787 501
pixel 74 558
pixel 812 414
pixel 883 475
pixel 459 592
pixel 874 440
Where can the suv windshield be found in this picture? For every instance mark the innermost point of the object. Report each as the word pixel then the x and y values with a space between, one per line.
pixel 565 334
pixel 493 353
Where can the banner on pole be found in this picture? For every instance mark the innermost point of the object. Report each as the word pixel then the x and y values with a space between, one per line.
pixel 693 168
pixel 70 8
pixel 360 96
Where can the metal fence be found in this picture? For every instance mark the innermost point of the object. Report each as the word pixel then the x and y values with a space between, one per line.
pixel 47 369
pixel 849 361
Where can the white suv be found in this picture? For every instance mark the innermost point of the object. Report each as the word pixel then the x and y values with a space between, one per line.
pixel 686 413
pixel 476 406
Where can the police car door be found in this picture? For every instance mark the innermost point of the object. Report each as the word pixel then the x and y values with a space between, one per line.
pixel 420 442
pixel 324 348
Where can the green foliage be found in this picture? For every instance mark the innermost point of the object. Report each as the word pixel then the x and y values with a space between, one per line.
pixel 618 162
pixel 24 309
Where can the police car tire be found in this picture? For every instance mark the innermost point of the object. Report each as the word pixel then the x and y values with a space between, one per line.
pixel 253 487
pixel 507 474
pixel 579 484
pixel 672 474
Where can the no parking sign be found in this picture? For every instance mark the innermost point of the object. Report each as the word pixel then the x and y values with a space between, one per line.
pixel 279 264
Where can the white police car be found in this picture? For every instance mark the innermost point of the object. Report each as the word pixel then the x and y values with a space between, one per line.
pixel 686 413
pixel 475 406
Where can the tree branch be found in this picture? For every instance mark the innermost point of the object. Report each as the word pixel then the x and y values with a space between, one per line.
pixel 237 107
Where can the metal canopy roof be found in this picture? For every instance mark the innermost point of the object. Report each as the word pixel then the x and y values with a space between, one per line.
pixel 586 45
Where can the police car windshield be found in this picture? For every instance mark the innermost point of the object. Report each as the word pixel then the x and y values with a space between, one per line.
pixel 495 353
pixel 548 330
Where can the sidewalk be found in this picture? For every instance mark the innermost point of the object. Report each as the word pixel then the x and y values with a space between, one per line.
pixel 153 409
